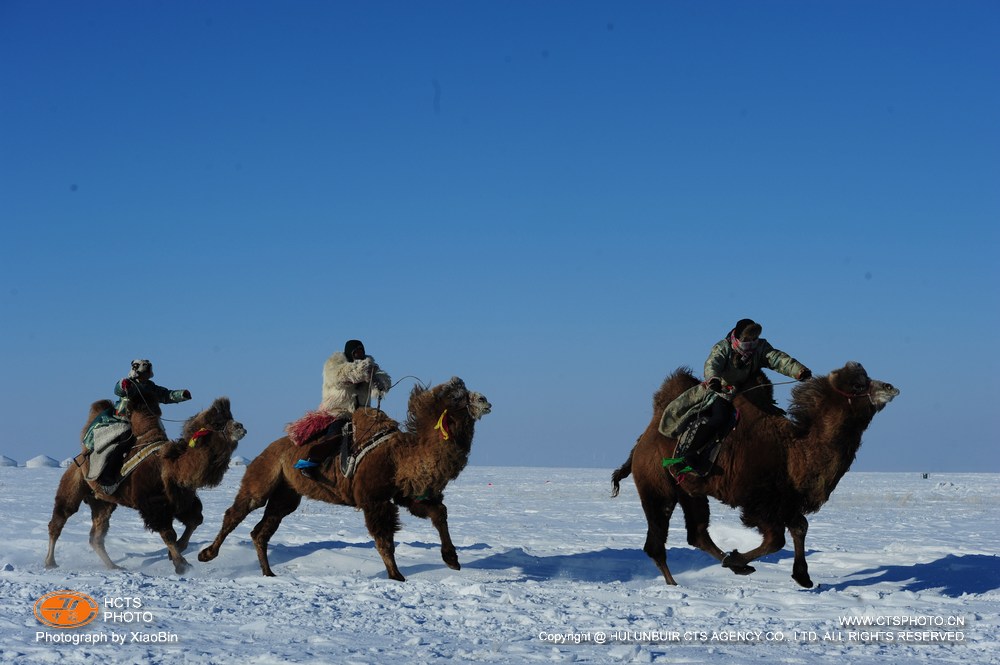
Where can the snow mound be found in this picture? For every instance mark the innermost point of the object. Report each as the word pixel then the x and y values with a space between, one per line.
pixel 238 460
pixel 6 461
pixel 40 462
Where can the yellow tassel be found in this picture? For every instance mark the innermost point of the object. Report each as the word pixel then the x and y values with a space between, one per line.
pixel 440 426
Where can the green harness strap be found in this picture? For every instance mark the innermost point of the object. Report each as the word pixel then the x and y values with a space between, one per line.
pixel 670 461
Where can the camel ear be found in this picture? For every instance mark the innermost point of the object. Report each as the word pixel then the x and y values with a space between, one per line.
pixel 457 382
pixel 222 409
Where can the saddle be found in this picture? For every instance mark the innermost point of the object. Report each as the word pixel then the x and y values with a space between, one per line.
pixel 700 462
pixel 105 472
pixel 102 438
pixel 329 437
pixel 313 426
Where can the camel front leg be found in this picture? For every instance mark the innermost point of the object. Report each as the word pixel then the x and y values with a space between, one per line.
pixel 772 541
pixel 169 537
pixel 382 520
pixel 800 569
pixel 438 513
pixel 696 518
pixel 191 518
pixel 100 512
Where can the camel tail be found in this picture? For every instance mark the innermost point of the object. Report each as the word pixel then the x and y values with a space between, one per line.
pixel 624 471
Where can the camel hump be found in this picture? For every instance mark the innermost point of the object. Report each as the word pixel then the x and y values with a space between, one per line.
pixel 99 406
pixel 96 409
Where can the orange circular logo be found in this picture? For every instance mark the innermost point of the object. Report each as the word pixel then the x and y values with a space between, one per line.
pixel 66 609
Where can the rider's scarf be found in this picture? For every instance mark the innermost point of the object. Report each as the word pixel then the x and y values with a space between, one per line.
pixel 745 349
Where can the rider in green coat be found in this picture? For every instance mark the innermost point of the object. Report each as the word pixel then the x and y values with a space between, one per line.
pixel 731 362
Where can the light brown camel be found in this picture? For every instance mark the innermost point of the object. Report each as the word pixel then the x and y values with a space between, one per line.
pixel 776 469
pixel 162 487
pixel 410 469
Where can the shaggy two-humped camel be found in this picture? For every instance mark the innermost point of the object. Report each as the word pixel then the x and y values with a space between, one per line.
pixel 776 469
pixel 162 487
pixel 410 468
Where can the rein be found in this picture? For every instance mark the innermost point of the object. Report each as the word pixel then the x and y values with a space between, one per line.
pixel 764 385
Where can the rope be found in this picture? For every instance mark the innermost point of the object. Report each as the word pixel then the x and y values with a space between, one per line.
pixel 764 385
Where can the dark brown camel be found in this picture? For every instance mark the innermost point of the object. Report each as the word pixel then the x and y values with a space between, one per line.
pixel 774 468
pixel 410 469
pixel 162 487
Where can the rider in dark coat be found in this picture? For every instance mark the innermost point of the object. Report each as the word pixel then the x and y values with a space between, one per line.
pixel 139 385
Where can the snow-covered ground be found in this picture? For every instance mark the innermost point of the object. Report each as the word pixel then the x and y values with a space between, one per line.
pixel 553 570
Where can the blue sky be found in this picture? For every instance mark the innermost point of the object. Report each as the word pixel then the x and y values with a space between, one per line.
pixel 559 202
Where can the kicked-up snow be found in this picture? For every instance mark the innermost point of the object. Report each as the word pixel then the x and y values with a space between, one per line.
pixel 552 571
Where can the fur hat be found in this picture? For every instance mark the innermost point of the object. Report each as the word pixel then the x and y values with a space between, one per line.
pixel 141 366
pixel 351 346
pixel 747 325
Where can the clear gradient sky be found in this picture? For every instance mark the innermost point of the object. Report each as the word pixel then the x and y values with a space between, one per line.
pixel 560 202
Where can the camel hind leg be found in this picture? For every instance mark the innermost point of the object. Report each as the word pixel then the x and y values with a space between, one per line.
pixel 658 511
pixel 250 497
pixel 438 514
pixel 70 494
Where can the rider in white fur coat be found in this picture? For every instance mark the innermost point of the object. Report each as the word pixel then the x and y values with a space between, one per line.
pixel 351 379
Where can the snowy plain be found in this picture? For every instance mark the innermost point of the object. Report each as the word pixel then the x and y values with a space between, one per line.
pixel 552 571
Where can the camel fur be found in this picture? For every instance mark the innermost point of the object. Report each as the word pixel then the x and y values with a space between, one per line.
pixel 776 469
pixel 162 487
pixel 411 469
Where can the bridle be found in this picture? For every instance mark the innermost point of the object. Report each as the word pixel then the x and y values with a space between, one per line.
pixel 867 392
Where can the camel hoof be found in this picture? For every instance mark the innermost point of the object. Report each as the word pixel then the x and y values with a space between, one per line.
pixel 803 580
pixel 742 570
pixel 207 555
pixel 269 573
pixel 734 560
pixel 181 567
pixel 398 577
pixel 49 565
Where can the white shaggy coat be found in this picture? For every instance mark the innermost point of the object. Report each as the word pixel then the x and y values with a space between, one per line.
pixel 348 385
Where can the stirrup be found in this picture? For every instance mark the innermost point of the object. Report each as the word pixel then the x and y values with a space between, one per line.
pixel 307 468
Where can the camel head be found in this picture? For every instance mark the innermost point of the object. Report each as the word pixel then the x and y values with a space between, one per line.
pixel 217 418
pixel 452 396
pixel 476 403
pixel 853 381
pixel 849 389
